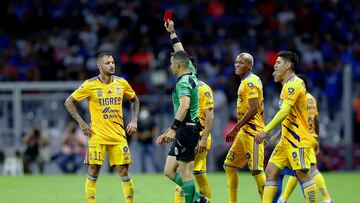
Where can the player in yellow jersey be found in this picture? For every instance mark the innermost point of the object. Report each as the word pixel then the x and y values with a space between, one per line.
pixel 250 116
pixel 106 130
pixel 293 149
pixel 314 131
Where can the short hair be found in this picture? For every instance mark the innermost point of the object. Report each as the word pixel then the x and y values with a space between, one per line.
pixel 290 56
pixel 305 79
pixel 101 55
pixel 248 58
pixel 182 57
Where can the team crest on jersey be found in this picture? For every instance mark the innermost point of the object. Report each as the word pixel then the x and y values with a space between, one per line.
pixel 99 93
pixel 208 94
pixel 117 90
pixel 250 85
pixel 125 149
pixel 291 90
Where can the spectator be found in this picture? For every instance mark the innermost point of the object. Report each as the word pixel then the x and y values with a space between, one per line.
pixel 73 149
pixel 147 130
pixel 36 150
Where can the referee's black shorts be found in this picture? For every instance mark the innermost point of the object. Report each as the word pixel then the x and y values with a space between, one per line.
pixel 183 148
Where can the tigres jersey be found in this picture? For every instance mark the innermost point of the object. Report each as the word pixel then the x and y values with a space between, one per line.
pixel 251 87
pixel 295 127
pixel 206 100
pixel 105 107
pixel 313 112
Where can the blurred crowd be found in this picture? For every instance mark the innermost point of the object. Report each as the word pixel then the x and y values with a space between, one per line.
pixel 58 40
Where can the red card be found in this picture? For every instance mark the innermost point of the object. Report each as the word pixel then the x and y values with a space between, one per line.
pixel 168 15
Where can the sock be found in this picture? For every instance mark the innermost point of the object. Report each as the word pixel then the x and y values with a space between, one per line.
pixel 232 182
pixel 128 188
pixel 90 188
pixel 270 189
pixel 320 185
pixel 278 192
pixel 190 192
pixel 289 188
pixel 178 195
pixel 203 183
pixel 177 179
pixel 310 191
pixel 260 180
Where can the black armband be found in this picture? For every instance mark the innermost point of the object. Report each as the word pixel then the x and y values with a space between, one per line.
pixel 175 40
pixel 176 124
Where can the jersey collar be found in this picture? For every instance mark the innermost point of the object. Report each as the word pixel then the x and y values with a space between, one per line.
pixel 112 79
pixel 183 75
pixel 247 75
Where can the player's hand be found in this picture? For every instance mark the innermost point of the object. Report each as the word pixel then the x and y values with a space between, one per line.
pixel 231 135
pixel 169 135
pixel 131 128
pixel 259 138
pixel 160 140
pixel 169 25
pixel 86 129
pixel 201 147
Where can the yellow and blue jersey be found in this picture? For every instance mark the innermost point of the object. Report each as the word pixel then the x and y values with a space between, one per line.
pixel 295 128
pixel 206 101
pixel 313 113
pixel 251 87
pixel 105 107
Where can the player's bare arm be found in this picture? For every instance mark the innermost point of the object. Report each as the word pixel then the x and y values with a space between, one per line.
pixel 169 25
pixel 70 105
pixel 132 126
pixel 180 116
pixel 209 119
pixel 254 105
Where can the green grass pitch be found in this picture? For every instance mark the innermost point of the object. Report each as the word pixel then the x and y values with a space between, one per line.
pixel 152 188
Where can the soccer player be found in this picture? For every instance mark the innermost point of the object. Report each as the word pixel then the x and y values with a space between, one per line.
pixel 250 116
pixel 293 149
pixel 314 131
pixel 106 130
pixel 206 116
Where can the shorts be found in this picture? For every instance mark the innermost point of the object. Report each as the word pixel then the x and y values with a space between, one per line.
pixel 245 150
pixel 314 142
pixel 183 148
pixel 118 154
pixel 200 158
pixel 293 158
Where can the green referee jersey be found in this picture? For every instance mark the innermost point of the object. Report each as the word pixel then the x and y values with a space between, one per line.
pixel 187 85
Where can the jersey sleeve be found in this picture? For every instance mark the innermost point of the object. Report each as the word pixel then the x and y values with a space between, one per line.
pixel 252 89
pixel 129 92
pixel 292 92
pixel 82 92
pixel 207 101
pixel 183 89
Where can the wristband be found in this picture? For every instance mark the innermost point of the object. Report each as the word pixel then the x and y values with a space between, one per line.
pixel 175 40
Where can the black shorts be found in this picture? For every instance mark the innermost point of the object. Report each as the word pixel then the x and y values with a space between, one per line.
pixel 183 147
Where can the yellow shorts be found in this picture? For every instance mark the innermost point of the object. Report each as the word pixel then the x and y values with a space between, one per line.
pixel 200 158
pixel 293 158
pixel 118 154
pixel 245 150
pixel 314 142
